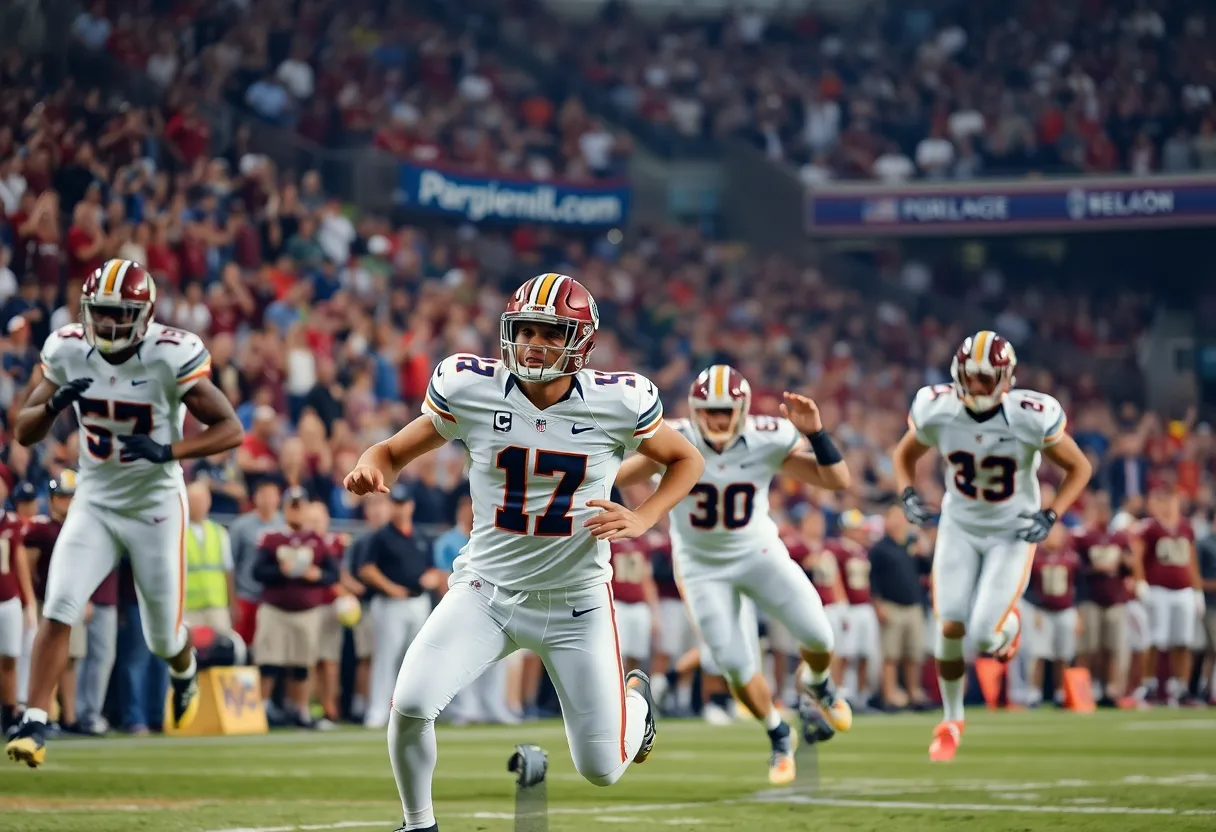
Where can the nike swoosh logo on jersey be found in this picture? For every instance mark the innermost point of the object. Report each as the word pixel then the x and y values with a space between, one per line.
pixel 138 381
pixel 576 430
pixel 159 519
pixel 580 613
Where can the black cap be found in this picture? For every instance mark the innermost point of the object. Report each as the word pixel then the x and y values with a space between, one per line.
pixel 24 493
pixel 295 494
pixel 402 492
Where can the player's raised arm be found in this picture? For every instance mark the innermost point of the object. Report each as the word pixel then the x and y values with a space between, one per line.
pixel 817 461
pixel 381 463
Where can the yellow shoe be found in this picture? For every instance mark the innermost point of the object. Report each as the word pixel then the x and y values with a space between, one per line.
pixel 781 766
pixel 835 709
pixel 28 745
pixel 184 698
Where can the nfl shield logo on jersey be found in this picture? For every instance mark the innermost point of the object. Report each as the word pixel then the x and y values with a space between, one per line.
pixel 541 424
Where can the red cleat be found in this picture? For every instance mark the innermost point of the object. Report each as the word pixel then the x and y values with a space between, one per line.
pixel 946 737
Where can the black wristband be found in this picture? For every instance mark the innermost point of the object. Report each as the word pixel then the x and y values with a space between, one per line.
pixel 1050 515
pixel 50 409
pixel 910 491
pixel 826 452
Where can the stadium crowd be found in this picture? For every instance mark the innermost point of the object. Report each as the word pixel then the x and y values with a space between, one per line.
pixel 324 327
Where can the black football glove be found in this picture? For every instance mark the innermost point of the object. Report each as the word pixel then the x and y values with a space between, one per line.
pixel 914 508
pixel 142 446
pixel 1040 525
pixel 66 395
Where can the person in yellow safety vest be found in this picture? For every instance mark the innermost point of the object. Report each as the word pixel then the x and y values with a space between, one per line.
pixel 210 585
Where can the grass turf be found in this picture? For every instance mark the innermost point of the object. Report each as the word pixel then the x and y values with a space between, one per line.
pixel 1112 771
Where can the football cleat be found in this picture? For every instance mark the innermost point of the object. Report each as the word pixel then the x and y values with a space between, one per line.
pixel 815 726
pixel 835 709
pixel 639 681
pixel 1007 653
pixel 185 701
pixel 434 827
pixel 781 768
pixel 28 745
pixel 946 738
pixel 529 763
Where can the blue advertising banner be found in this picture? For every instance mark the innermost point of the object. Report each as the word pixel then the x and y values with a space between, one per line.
pixel 478 198
pixel 1004 207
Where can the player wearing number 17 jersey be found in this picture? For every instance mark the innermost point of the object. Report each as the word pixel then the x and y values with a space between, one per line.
pixel 991 438
pixel 727 549
pixel 545 438
pixel 131 382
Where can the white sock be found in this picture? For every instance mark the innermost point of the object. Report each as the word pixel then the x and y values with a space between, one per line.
pixel 35 715
pixel 952 698
pixel 358 705
pixel 1174 687
pixel 188 672
pixel 658 687
pixel 684 696
pixel 808 677
pixel 772 719
pixel 413 753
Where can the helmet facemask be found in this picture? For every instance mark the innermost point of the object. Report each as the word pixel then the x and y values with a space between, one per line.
pixel 711 424
pixel 980 385
pixel 556 361
pixel 114 327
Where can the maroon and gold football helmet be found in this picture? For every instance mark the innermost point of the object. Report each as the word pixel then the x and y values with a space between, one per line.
pixel 720 388
pixel 982 370
pixel 553 300
pixel 116 305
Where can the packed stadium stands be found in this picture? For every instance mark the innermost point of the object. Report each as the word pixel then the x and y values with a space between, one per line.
pixel 324 322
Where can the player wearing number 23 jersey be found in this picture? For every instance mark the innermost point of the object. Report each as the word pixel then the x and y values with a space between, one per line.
pixel 131 382
pixel 726 548
pixel 991 438
pixel 545 437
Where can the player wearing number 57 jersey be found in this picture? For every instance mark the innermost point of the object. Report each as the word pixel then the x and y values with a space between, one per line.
pixel 726 548
pixel 991 438
pixel 131 382
pixel 545 438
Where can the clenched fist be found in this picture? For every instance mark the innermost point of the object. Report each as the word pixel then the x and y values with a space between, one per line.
pixel 365 479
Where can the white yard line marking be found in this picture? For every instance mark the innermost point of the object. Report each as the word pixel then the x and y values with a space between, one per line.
pixel 910 805
pixel 1169 724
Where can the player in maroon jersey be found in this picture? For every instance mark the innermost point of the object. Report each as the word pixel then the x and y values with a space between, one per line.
pixel 1104 578
pixel 1049 611
pixel 676 636
pixel 296 567
pixel 1164 551
pixel 637 601
pixel 17 611
pixel 860 620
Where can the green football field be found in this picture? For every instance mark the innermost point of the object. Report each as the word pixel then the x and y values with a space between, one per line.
pixel 1016 771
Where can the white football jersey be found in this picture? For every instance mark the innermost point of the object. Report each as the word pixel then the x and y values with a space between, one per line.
pixel 725 516
pixel 141 395
pixel 532 471
pixel 991 466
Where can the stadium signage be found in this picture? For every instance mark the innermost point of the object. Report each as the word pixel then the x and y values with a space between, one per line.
pixel 1006 207
pixel 481 199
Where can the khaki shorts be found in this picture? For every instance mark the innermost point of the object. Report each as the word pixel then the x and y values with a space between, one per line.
pixel 902 632
pixel 330 649
pixel 1103 628
pixel 218 619
pixel 287 639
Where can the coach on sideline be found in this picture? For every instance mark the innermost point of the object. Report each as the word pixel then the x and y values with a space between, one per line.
pixel 400 569
pixel 377 512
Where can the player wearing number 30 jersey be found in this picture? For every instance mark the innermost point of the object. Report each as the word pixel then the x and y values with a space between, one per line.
pixel 727 549
pixel 991 438
pixel 131 382
pixel 545 437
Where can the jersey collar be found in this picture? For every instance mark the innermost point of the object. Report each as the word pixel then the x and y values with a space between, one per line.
pixel 575 387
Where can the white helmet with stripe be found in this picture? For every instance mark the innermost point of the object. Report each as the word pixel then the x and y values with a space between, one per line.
pixel 553 300
pixel 982 370
pixel 720 388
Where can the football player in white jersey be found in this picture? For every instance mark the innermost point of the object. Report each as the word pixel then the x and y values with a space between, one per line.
pixel 131 382
pixel 545 438
pixel 726 548
pixel 991 438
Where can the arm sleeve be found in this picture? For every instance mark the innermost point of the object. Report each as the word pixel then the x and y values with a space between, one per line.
pixel 266 567
pixel 435 404
pixel 52 360
pixel 329 571
pixel 920 417
pixel 1054 421
pixel 649 410
pixel 191 363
